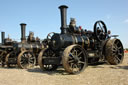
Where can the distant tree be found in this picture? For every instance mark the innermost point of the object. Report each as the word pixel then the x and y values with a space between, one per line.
pixel 126 49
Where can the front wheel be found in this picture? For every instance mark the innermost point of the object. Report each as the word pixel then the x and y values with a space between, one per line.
pixel 74 59
pixel 7 59
pixel 26 60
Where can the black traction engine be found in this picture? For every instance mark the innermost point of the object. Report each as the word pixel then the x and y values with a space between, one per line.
pixel 74 48
pixel 24 53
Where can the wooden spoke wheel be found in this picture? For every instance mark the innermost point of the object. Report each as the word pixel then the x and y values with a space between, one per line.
pixel 26 60
pixel 7 59
pixel 74 59
pixel 42 55
pixel 114 52
pixel 2 57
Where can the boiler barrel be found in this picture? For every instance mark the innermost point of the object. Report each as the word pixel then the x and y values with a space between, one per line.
pixel 34 47
pixel 63 40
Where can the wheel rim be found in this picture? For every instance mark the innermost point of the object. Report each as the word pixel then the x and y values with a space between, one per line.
pixel 117 51
pixel 76 60
pixel 43 54
pixel 26 60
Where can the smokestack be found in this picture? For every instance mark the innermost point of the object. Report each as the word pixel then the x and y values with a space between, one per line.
pixel 2 37
pixel 63 11
pixel 23 28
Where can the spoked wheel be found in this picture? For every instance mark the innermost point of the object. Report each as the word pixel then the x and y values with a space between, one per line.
pixel 74 59
pixel 26 60
pixel 7 59
pixel 2 56
pixel 114 52
pixel 100 30
pixel 44 54
pixel 49 36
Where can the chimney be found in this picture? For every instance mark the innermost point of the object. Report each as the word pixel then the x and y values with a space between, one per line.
pixel 2 37
pixel 23 28
pixel 63 11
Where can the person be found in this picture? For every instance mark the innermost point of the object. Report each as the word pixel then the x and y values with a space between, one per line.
pixel 73 27
pixel 31 37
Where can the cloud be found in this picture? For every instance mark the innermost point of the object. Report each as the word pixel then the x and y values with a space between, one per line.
pixel 126 21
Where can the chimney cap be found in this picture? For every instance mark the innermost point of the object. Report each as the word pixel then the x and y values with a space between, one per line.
pixel 23 24
pixel 63 6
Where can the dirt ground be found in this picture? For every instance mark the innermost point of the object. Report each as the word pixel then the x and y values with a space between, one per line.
pixel 101 74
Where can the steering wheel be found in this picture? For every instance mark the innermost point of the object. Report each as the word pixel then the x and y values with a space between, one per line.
pixel 48 39
pixel 100 30
pixel 49 36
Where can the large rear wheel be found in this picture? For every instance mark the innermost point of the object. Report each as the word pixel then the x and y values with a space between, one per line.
pixel 114 52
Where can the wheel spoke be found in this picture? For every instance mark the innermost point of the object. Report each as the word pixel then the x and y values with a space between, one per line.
pixel 80 58
pixel 117 43
pixel 71 55
pixel 114 47
pixel 70 61
pixel 76 53
pixel 79 54
pixel 25 55
pixel 117 58
pixel 31 61
pixel 120 54
pixel 119 48
pixel 81 62
pixel 71 65
pixel 100 26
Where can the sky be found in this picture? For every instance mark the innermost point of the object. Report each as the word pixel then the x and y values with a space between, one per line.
pixel 43 16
